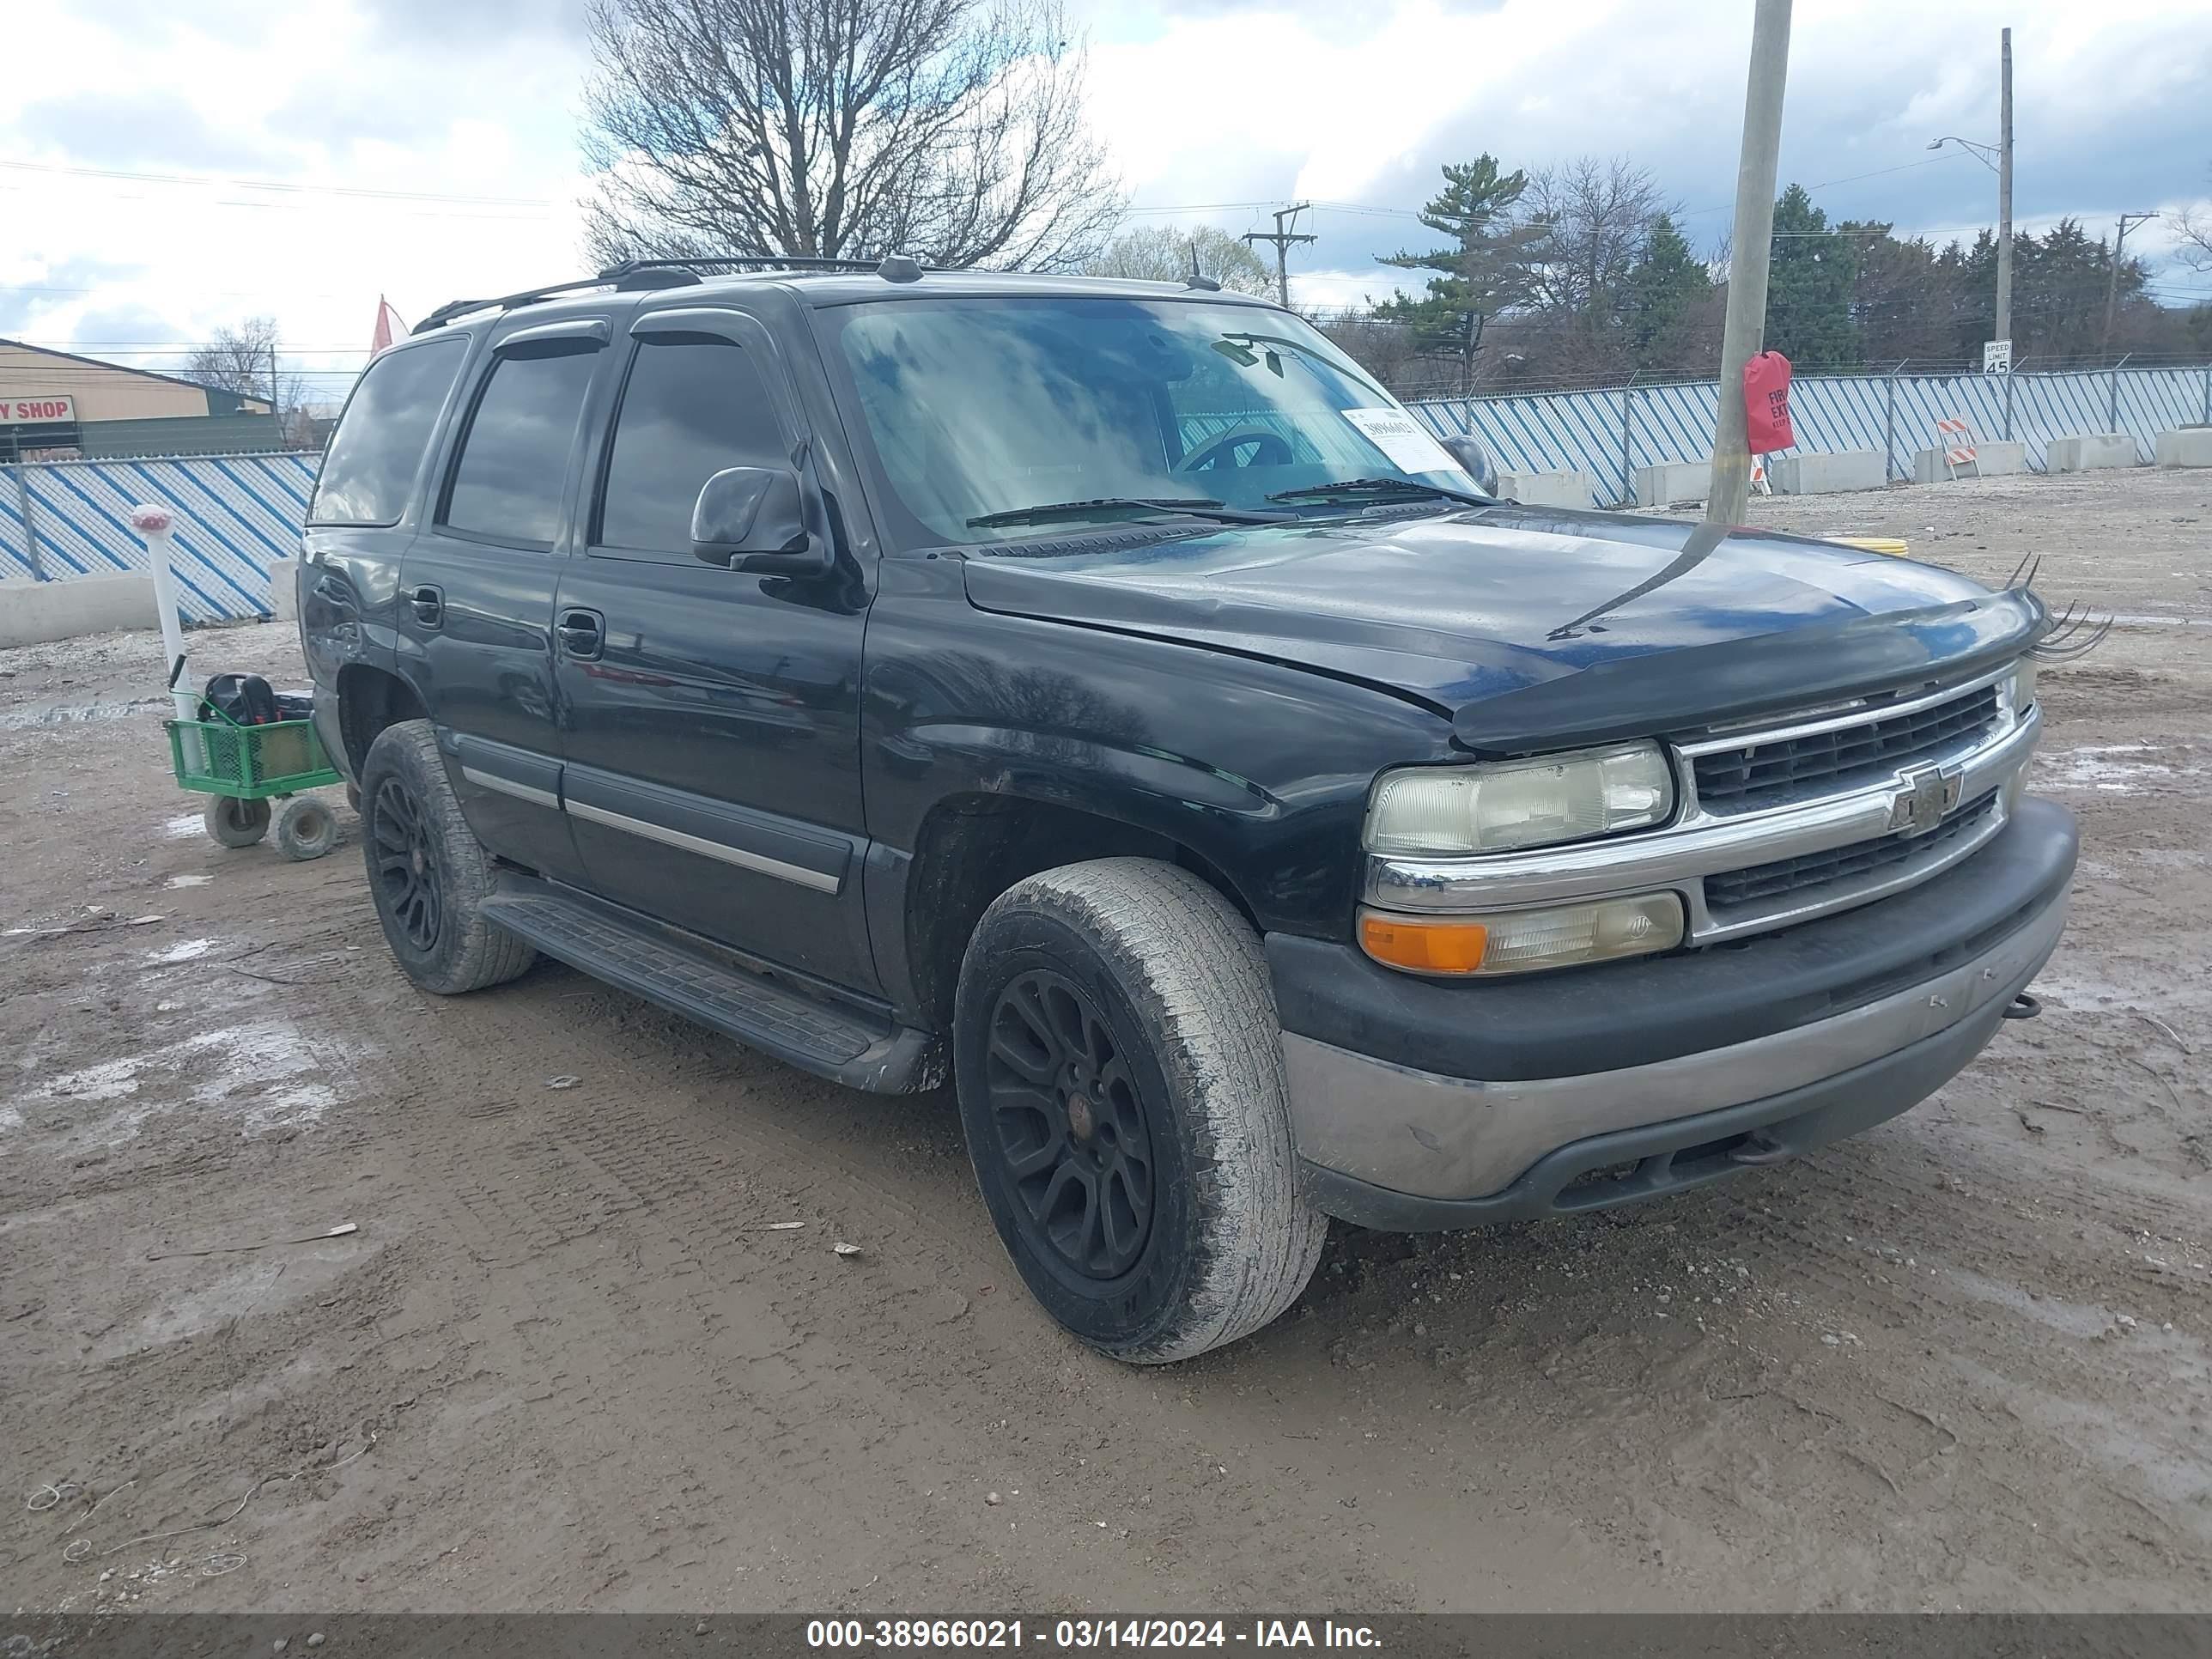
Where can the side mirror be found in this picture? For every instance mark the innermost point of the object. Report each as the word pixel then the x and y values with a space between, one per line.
pixel 753 518
pixel 1474 460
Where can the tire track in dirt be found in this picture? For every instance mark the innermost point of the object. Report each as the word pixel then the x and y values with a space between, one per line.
pixel 788 1360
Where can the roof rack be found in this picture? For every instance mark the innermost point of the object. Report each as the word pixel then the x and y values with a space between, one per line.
pixel 631 275
pixel 735 262
pixel 453 308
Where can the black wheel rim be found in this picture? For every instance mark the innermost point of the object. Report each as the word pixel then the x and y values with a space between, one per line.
pixel 407 865
pixel 1072 1135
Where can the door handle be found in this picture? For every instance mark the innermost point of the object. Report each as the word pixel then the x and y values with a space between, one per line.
pixel 583 634
pixel 430 604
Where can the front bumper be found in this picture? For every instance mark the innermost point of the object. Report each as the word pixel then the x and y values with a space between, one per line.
pixel 1577 1090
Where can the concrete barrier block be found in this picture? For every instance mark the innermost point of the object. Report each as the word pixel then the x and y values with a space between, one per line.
pixel 1996 460
pixel 284 591
pixel 1677 481
pixel 1827 473
pixel 2086 452
pixel 1570 487
pixel 33 611
pixel 2188 445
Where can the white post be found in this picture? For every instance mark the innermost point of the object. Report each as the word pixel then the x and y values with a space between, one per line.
pixel 155 526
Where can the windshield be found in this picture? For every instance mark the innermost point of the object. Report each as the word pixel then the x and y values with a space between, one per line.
pixel 980 409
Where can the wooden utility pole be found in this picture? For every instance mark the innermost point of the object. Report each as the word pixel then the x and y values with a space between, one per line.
pixel 2004 192
pixel 2113 287
pixel 1282 238
pixel 1744 331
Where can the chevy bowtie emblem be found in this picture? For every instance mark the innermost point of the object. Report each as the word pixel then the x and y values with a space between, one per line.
pixel 1928 795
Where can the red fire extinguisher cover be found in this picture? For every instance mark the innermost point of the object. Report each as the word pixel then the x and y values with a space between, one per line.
pixel 1766 402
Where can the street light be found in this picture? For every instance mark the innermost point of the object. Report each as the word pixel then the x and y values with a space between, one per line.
pixel 1997 158
pixel 1985 154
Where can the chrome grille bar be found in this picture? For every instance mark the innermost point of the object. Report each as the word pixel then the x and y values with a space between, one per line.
pixel 1749 773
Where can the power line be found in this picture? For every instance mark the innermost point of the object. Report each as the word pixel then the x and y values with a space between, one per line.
pixel 167 287
pixel 171 348
pixel 360 191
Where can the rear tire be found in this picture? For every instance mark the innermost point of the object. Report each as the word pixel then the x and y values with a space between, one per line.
pixel 305 830
pixel 428 874
pixel 235 823
pixel 1121 1081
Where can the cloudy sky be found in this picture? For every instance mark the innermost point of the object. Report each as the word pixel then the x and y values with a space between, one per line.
pixel 167 166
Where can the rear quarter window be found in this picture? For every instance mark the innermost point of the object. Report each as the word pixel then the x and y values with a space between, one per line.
pixel 378 448
pixel 507 482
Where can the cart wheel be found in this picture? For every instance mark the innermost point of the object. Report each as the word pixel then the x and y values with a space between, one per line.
pixel 305 830
pixel 236 823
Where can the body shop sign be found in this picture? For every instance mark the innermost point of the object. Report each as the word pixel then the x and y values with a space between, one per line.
pixel 36 411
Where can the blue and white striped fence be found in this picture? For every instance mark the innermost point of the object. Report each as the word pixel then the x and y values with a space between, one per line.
pixel 236 515
pixel 1608 434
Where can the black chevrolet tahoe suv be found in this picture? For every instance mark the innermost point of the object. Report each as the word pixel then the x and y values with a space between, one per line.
pixel 1105 695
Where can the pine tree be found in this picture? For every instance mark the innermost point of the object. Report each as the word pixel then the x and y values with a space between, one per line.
pixel 1483 272
pixel 1666 282
pixel 1809 287
pixel 2059 287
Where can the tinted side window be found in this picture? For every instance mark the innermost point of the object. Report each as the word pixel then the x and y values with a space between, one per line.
pixel 694 403
pixel 379 444
pixel 507 485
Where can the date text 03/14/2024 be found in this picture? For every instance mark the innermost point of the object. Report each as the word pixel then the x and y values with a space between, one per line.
pixel 1084 1633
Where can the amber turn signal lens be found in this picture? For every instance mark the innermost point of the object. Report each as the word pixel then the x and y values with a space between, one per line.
pixel 1524 941
pixel 1424 947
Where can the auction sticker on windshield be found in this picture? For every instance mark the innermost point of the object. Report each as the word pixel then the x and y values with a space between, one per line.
pixel 1403 439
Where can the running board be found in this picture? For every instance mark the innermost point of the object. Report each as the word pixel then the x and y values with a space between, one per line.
pixel 770 1015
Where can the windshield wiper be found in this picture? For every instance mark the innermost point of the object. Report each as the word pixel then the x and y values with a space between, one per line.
pixel 1198 507
pixel 1381 486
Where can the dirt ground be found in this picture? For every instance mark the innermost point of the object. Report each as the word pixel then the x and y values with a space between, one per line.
pixel 569 1360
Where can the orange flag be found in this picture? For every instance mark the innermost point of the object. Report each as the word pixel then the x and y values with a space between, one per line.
pixel 387 327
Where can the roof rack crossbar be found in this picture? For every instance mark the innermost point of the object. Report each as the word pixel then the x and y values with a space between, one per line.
pixel 737 261
pixel 453 308
pixel 622 275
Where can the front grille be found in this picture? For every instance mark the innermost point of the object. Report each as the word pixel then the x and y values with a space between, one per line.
pixel 1786 876
pixel 1733 776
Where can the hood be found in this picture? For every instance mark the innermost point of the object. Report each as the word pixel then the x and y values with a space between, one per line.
pixel 1532 627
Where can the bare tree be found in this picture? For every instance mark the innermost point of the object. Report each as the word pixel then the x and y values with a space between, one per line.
pixel 244 360
pixel 2194 241
pixel 952 130
pixel 1164 253
pixel 1592 217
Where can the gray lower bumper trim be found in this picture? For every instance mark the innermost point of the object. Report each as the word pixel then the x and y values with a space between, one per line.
pixel 1426 1136
pixel 1629 1165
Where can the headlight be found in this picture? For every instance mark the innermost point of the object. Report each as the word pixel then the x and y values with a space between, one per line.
pixel 2020 687
pixel 1522 941
pixel 1444 812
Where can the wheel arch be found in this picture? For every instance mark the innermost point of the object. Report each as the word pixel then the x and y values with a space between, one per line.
pixel 370 699
pixel 973 846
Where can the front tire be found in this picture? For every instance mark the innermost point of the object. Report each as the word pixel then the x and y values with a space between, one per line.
pixel 1120 1082
pixel 428 874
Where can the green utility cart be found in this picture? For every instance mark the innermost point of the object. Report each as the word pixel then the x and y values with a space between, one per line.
pixel 244 768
